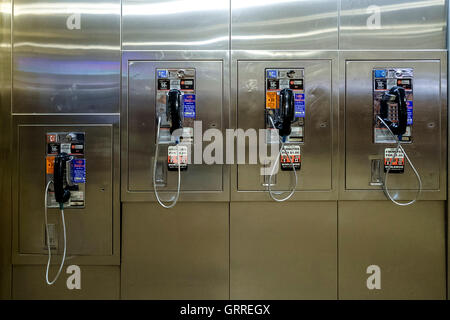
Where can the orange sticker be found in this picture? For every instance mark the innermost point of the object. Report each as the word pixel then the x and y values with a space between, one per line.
pixel 271 100
pixel 50 164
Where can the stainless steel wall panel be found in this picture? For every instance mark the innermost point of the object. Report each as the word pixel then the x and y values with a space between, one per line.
pixel 180 253
pixel 92 231
pixel 283 251
pixel 318 175
pixel 5 152
pixel 175 25
pixel 97 283
pixel 407 243
pixel 284 25
pixel 390 25
pixel 200 182
pixel 427 151
pixel 60 68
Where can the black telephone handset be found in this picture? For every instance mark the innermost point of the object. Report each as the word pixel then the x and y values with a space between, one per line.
pixel 174 110
pixel 286 112
pixel 397 95
pixel 62 192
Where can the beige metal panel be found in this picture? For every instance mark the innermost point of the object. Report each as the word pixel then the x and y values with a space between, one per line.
pixel 318 177
pixel 394 24
pixel 92 232
pixel 181 253
pixel 200 182
pixel 5 136
pixel 407 243
pixel 66 56
pixel 97 283
pixel 283 251
pixel 284 24
pixel 428 149
pixel 175 25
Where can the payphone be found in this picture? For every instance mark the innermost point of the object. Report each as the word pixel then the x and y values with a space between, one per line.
pixel 175 114
pixel 393 120
pixel 65 188
pixel 285 121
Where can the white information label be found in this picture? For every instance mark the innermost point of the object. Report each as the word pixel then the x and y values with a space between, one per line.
pixel 65 147
pixel 177 152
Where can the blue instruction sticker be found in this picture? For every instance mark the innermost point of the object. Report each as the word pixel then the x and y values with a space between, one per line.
pixel 78 170
pixel 380 73
pixel 272 74
pixel 299 100
pixel 409 106
pixel 189 106
pixel 162 74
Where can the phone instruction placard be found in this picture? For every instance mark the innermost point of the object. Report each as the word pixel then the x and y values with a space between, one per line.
pixel 73 144
pixel 383 80
pixel 277 80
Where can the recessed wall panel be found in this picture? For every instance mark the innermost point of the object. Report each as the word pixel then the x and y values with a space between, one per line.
pixel 142 96
pixel 90 229
pixel 316 172
pixel 426 148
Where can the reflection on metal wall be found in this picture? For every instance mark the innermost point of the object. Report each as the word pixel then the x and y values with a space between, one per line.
pixel 175 25
pixel 66 56
pixel 5 134
pixel 396 24
pixel 284 24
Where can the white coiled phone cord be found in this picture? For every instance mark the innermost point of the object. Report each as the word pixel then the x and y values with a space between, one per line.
pixel 48 239
pixel 174 200
pixel 385 188
pixel 271 193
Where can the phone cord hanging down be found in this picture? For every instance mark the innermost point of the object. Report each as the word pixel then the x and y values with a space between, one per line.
pixel 275 165
pixel 61 207
pixel 386 175
pixel 155 162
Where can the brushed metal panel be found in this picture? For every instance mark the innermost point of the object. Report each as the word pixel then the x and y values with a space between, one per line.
pixel 407 243
pixel 318 176
pixel 182 253
pixel 200 182
pixel 5 152
pixel 97 283
pixel 90 231
pixel 425 150
pixel 404 24
pixel 283 251
pixel 284 25
pixel 58 70
pixel 175 24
